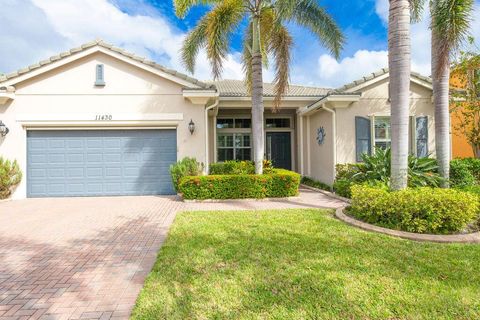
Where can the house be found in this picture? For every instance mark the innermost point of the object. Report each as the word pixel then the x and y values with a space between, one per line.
pixel 97 120
pixel 461 148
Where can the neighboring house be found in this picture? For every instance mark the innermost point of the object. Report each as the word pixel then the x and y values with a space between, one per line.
pixel 460 146
pixel 97 120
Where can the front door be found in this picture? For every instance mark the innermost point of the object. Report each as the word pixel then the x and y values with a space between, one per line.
pixel 279 149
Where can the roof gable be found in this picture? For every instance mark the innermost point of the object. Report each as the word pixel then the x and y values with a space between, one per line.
pixel 108 49
pixel 378 76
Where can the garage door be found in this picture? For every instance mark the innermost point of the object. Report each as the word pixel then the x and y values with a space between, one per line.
pixel 99 162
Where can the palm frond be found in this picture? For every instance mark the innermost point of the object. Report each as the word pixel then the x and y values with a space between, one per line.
pixel 220 22
pixel 281 45
pixel 194 41
pixel 247 57
pixel 310 15
pixel 451 20
pixel 416 10
pixel 183 6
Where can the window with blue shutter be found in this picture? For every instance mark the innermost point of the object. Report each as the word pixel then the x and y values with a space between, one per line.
pixel 362 137
pixel 422 136
pixel 99 75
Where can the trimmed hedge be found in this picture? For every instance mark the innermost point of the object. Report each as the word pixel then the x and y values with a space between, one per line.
pixel 185 167
pixel 420 210
pixel 10 177
pixel 238 167
pixel 280 183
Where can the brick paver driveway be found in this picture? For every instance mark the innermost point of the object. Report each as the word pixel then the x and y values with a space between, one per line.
pixel 87 258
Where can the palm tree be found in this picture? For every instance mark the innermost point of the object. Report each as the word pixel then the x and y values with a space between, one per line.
pixel 401 14
pixel 266 35
pixel 450 27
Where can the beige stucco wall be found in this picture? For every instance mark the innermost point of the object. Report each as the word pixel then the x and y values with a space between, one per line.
pixel 374 101
pixel 68 93
pixel 321 156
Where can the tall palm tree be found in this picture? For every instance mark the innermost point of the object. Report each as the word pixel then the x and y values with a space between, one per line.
pixel 450 28
pixel 401 14
pixel 266 35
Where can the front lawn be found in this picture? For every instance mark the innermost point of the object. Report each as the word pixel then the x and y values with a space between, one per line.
pixel 304 264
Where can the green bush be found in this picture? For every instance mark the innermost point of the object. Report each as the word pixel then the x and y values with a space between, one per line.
pixel 316 184
pixel 185 167
pixel 464 172
pixel 279 183
pixel 346 171
pixel 342 187
pixel 238 167
pixel 10 176
pixel 420 210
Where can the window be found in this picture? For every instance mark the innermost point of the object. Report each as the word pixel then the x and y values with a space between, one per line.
pixel 234 139
pixel 234 146
pixel 382 137
pixel 99 76
pixel 277 123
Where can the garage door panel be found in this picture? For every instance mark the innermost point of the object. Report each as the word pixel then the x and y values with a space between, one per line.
pixel 100 162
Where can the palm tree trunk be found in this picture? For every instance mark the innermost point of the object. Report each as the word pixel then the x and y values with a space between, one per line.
pixel 399 64
pixel 440 80
pixel 257 99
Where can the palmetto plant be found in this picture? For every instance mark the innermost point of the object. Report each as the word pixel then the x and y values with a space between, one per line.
pixel 266 36
pixel 450 26
pixel 422 172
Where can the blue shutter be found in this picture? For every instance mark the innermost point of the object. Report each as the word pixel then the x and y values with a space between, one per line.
pixel 421 133
pixel 99 75
pixel 362 137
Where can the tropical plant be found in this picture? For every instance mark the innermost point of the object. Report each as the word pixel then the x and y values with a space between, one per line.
pixel 185 167
pixel 266 35
pixel 422 172
pixel 450 26
pixel 10 176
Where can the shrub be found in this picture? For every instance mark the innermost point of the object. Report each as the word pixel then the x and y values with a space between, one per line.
pixel 10 176
pixel 316 184
pixel 185 167
pixel 420 210
pixel 342 187
pixel 238 167
pixel 346 171
pixel 279 183
pixel 464 172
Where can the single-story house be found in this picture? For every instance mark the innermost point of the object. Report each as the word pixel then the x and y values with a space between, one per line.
pixel 97 120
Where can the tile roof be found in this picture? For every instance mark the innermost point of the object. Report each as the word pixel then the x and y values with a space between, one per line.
pixel 106 45
pixel 237 88
pixel 376 75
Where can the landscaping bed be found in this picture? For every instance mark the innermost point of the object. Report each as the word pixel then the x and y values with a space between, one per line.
pixel 304 264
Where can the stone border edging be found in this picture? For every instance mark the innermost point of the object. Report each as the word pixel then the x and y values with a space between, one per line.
pixel 235 200
pixel 454 238
pixel 327 193
pixel 5 200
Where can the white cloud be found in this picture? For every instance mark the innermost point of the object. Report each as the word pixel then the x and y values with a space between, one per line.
pixel 63 24
pixel 381 8
pixel 363 62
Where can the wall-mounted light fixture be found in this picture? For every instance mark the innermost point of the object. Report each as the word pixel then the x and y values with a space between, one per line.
pixel 191 126
pixel 3 129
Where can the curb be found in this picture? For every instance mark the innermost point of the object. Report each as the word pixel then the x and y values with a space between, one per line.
pixel 454 238
pixel 327 193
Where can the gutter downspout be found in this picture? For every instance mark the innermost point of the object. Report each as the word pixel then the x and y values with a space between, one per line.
pixel 334 134
pixel 215 104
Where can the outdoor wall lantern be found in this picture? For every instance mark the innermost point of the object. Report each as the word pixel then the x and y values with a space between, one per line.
pixel 3 129
pixel 191 126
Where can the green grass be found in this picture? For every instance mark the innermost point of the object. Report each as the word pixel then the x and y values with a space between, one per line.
pixel 304 264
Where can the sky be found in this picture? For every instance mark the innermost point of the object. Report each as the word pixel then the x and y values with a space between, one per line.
pixel 33 30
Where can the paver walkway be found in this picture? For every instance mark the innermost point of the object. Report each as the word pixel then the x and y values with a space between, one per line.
pixel 87 258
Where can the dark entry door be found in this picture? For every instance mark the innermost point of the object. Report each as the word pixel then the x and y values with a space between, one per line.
pixel 279 149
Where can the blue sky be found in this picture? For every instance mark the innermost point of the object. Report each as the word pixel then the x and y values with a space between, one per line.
pixel 33 30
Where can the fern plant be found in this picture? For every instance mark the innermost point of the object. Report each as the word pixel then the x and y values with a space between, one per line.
pixel 10 176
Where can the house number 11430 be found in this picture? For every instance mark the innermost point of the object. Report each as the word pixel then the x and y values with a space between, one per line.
pixel 103 117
